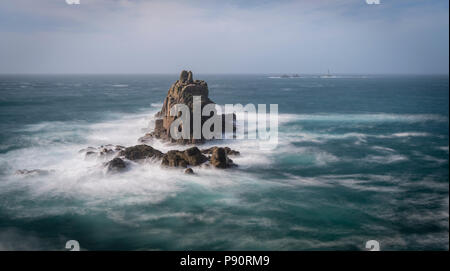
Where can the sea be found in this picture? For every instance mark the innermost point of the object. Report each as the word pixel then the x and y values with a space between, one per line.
pixel 359 157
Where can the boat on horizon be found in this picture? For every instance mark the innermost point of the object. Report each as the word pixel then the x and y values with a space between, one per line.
pixel 328 75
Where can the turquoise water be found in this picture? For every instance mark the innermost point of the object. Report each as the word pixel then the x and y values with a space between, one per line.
pixel 359 158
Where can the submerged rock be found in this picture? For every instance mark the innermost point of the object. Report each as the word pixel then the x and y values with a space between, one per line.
pixel 116 165
pixel 189 171
pixel 90 154
pixel 88 149
pixel 119 148
pixel 103 152
pixel 140 152
pixel 33 172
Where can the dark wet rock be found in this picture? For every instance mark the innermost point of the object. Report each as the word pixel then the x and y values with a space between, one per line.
pixel 116 165
pixel 219 159
pixel 174 158
pixel 228 151
pixel 190 78
pixel 33 172
pixel 194 156
pixel 119 148
pixel 88 149
pixel 140 152
pixel 191 157
pixel 106 151
pixel 189 171
pixel 91 153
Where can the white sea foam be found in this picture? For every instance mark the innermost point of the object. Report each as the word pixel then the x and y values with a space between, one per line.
pixel 383 149
pixel 324 137
pixel 387 159
pixel 433 159
pixel 410 134
pixel 157 105
pixel 56 145
pixel 380 117
pixel 74 177
pixel 368 182
pixel 302 136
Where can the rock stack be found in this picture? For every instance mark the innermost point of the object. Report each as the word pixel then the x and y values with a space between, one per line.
pixel 181 92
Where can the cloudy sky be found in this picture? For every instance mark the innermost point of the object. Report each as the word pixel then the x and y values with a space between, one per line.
pixel 256 36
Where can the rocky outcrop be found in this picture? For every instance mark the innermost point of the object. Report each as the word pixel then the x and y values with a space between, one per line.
pixel 189 157
pixel 219 159
pixel 194 156
pixel 174 159
pixel 141 152
pixel 182 92
pixel 228 151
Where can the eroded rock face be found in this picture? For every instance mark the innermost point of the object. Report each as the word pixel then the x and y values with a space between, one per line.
pixel 141 152
pixel 182 92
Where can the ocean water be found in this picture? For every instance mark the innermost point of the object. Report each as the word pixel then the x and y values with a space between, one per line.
pixel 359 158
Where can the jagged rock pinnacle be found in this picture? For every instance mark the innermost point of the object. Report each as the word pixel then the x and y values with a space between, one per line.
pixel 183 76
pixel 181 92
pixel 190 78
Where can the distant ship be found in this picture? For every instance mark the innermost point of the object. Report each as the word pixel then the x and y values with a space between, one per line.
pixel 328 75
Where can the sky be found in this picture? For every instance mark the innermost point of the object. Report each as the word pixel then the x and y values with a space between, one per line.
pixel 207 36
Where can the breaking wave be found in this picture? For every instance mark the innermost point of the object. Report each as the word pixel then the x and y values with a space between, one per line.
pixel 75 185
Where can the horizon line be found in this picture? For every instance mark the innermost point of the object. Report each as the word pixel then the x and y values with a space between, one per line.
pixel 225 73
